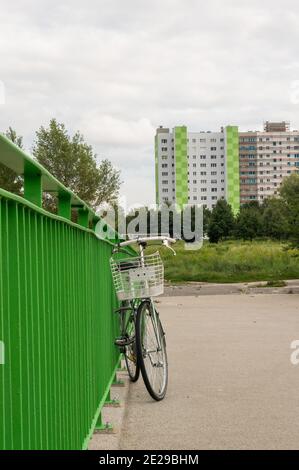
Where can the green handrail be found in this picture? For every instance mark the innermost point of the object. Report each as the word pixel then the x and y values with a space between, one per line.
pixel 56 320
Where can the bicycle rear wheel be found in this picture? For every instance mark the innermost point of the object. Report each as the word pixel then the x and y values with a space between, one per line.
pixel 130 354
pixel 151 350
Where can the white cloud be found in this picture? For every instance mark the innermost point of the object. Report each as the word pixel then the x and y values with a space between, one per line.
pixel 115 132
pixel 116 70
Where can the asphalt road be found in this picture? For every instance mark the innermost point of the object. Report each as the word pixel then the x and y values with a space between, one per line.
pixel 231 384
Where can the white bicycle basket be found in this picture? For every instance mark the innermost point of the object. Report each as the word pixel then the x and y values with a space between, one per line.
pixel 135 278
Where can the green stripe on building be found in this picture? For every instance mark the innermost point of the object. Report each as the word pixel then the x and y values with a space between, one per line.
pixel 232 168
pixel 157 169
pixel 181 165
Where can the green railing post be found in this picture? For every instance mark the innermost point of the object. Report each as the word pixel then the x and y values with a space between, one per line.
pixel 64 205
pixel 100 426
pixel 83 217
pixel 33 184
pixel 111 402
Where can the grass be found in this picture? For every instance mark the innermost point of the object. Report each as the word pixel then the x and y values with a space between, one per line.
pixel 233 261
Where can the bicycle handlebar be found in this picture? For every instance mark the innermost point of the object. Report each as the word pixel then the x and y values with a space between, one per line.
pixel 141 240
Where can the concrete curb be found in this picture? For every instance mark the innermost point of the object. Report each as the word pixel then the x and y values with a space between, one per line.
pixel 199 288
pixel 114 415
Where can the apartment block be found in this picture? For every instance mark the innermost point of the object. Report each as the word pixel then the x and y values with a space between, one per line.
pixel 197 167
pixel 266 157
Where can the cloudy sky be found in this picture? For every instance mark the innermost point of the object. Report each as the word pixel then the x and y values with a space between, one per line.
pixel 116 69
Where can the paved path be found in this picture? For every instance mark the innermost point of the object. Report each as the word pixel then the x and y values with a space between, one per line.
pixel 232 385
pixel 207 288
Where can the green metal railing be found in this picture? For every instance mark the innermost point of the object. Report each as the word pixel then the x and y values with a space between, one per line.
pixel 56 321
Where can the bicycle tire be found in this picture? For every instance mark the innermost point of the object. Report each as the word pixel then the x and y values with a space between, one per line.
pixel 131 359
pixel 152 360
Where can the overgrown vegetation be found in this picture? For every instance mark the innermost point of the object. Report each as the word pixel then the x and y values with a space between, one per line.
pixel 233 261
pixel 276 218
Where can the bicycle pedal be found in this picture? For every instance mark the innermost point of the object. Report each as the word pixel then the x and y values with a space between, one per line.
pixel 121 342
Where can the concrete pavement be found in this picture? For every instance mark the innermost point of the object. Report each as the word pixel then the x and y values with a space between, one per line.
pixel 231 382
pixel 207 288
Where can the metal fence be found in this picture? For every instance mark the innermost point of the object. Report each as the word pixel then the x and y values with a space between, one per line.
pixel 56 323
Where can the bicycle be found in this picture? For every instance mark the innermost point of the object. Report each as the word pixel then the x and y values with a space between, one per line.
pixel 142 338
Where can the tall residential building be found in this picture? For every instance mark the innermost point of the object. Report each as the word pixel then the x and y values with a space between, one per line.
pixel 265 159
pixel 197 167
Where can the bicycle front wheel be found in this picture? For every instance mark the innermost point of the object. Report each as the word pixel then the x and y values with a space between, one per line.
pixel 151 350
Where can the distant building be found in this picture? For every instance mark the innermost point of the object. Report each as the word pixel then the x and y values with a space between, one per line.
pixel 276 126
pixel 197 167
pixel 265 159
pixel 202 167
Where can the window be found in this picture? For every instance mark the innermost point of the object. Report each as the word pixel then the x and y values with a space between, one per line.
pixel 164 181
pixel 203 157
pixel 203 165
pixel 194 181
pixel 164 141
pixel 164 149
pixel 164 173
pixel 213 157
pixel 164 157
pixel 194 141
pixel 203 198
pixel 213 148
pixel 164 190
pixel 202 140
pixel 214 190
pixel 194 198
pixel 213 165
pixel 194 165
pixel 164 165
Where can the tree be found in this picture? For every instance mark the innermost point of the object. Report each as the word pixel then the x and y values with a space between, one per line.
pixel 248 222
pixel 221 221
pixel 274 218
pixel 9 180
pixel 289 193
pixel 72 161
pixel 206 219
pixel 109 183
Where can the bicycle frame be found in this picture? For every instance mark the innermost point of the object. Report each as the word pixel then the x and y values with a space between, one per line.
pixel 142 243
pixel 142 246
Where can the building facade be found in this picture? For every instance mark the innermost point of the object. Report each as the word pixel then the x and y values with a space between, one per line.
pixel 266 157
pixel 197 167
pixel 202 167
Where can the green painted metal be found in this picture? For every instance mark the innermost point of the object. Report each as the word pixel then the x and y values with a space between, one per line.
pixel 56 322
pixel 232 168
pixel 64 205
pixel 32 184
pixel 157 170
pixel 83 217
pixel 181 165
